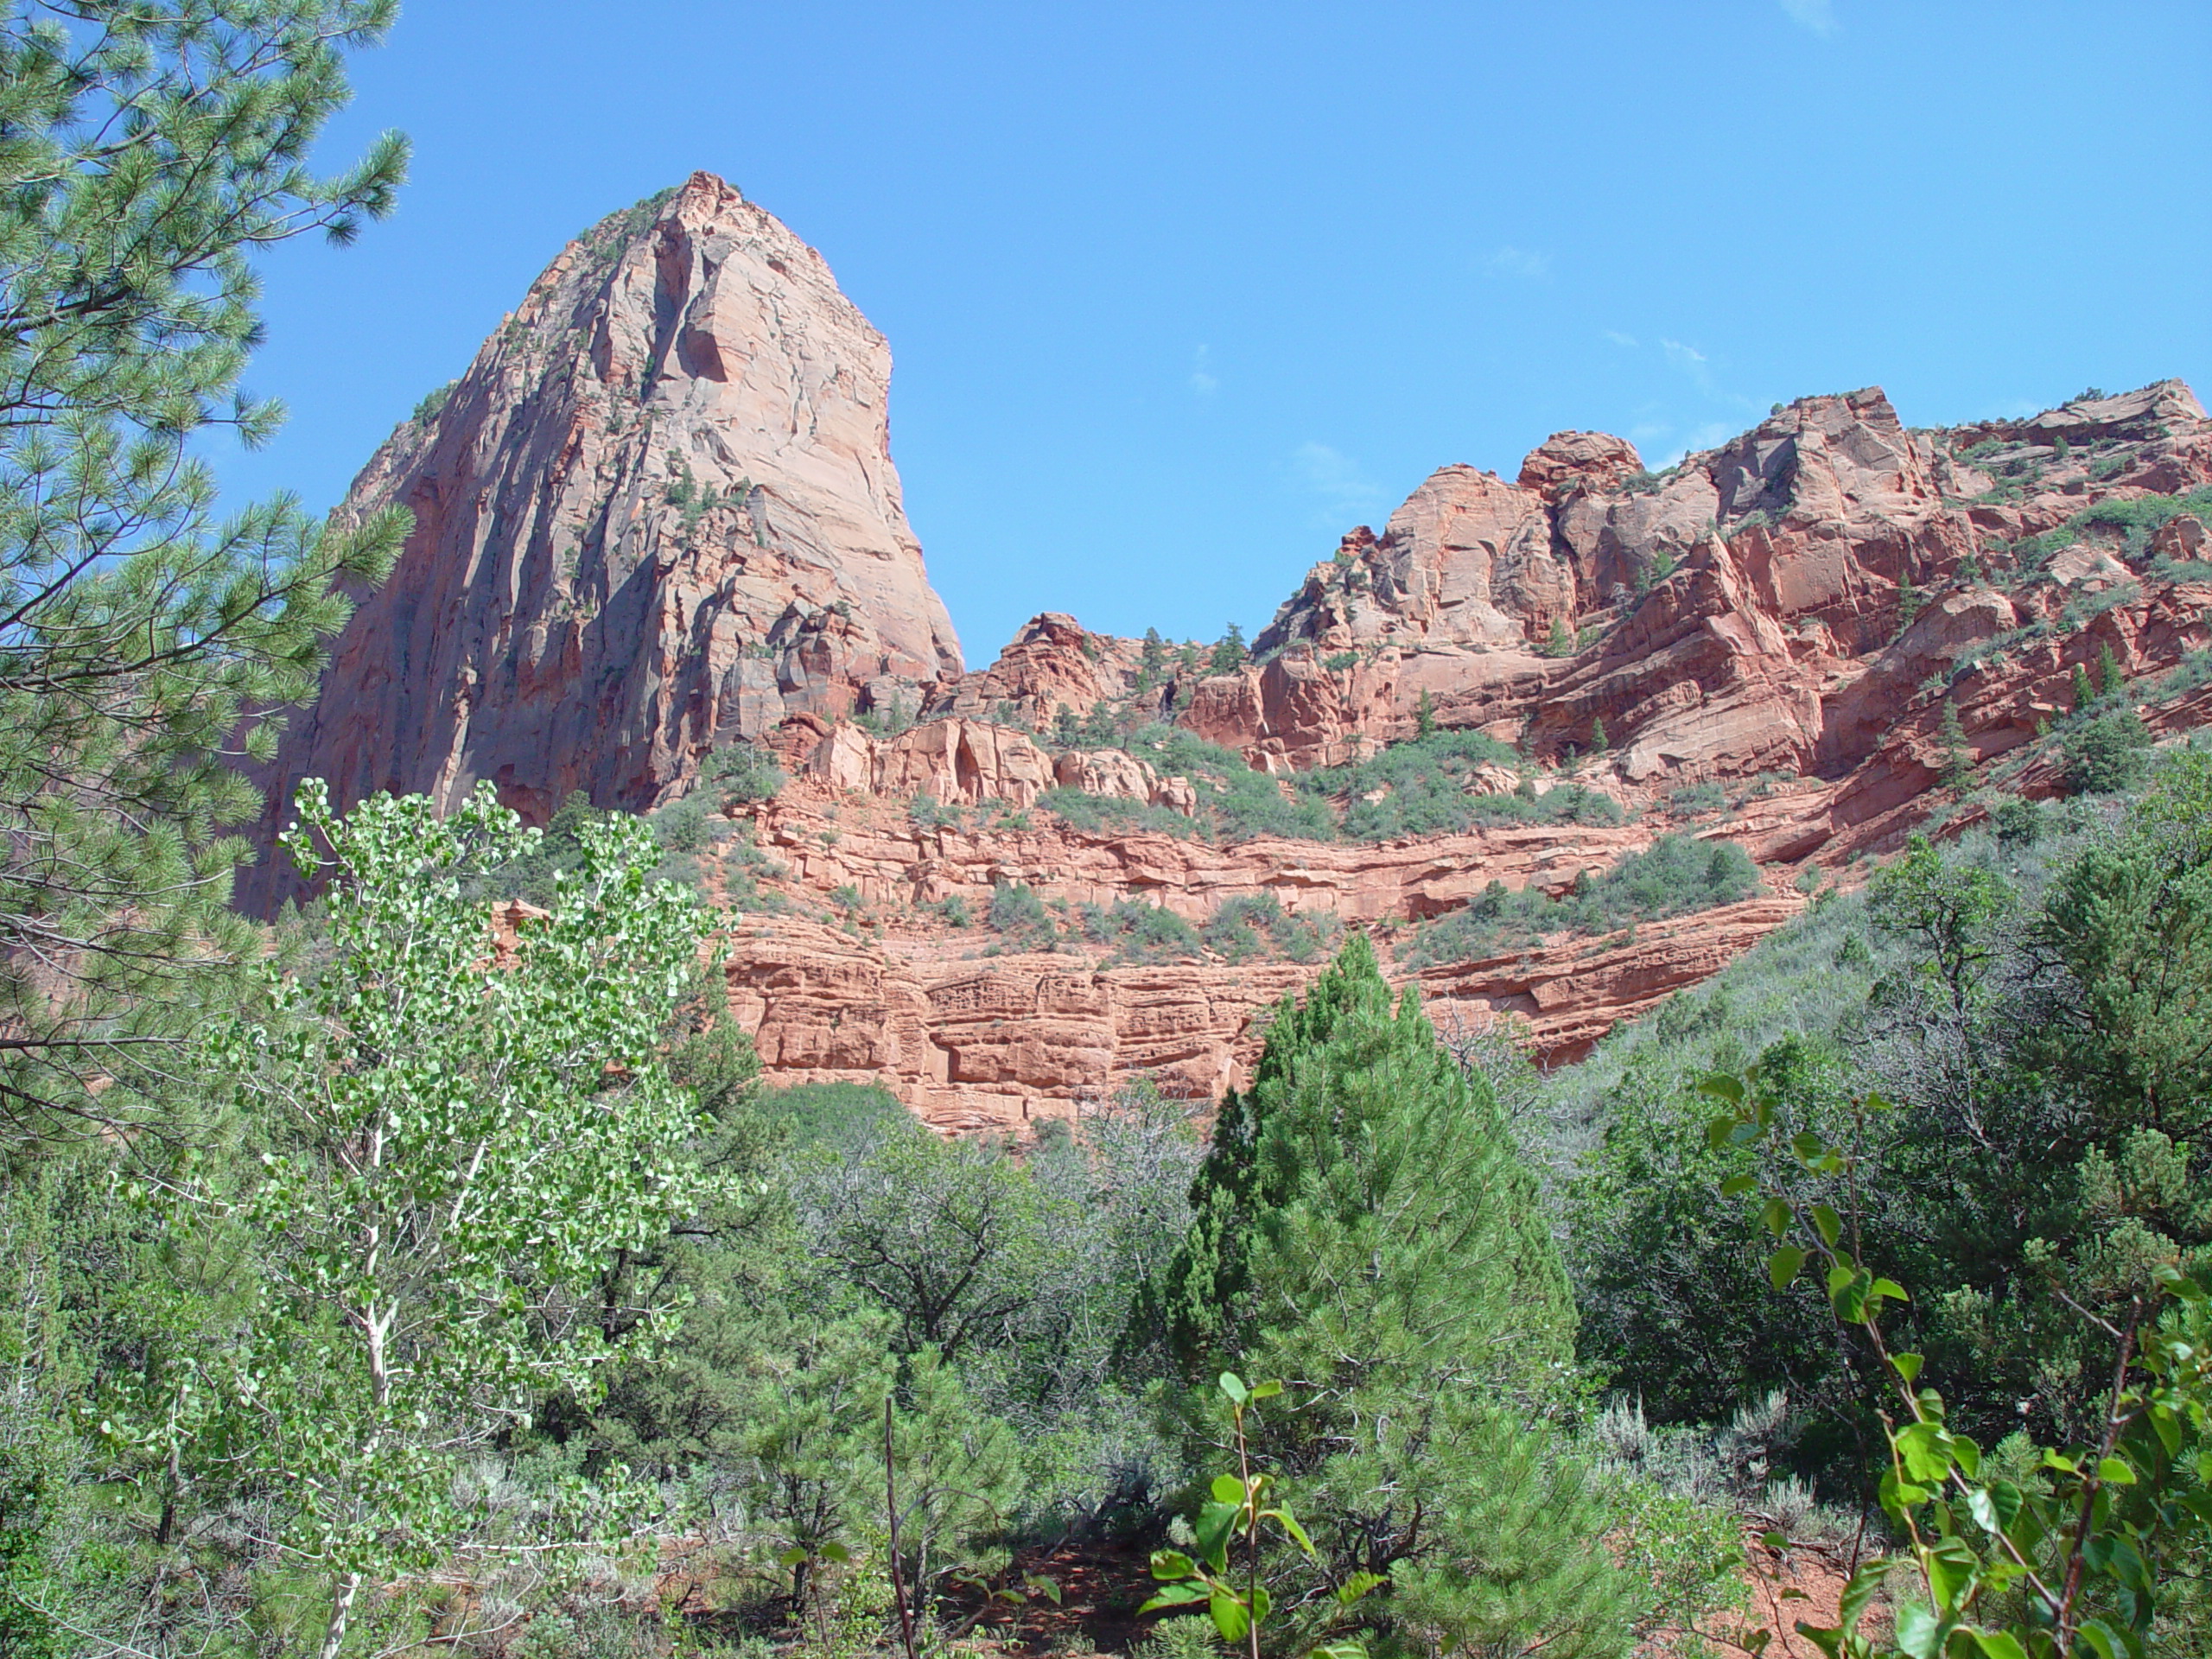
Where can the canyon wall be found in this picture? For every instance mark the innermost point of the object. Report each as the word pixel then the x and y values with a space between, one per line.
pixel 657 519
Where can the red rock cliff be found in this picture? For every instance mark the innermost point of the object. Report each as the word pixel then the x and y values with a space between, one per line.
pixel 657 513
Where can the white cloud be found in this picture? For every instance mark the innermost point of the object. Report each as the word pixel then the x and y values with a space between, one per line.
pixel 1620 338
pixel 1818 16
pixel 1335 481
pixel 1519 262
pixel 1698 370
pixel 1203 381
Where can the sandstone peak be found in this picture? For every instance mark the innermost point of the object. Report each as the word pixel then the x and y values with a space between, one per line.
pixel 657 515
pixel 1568 461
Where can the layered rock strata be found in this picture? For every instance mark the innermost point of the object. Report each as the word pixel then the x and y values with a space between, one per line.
pixel 658 517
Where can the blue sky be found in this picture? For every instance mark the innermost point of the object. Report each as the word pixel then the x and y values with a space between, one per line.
pixel 1178 293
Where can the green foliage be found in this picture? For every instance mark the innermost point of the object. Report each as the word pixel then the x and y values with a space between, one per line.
pixel 433 403
pixel 1698 800
pixel 1228 653
pixel 2107 753
pixel 1672 877
pixel 1256 927
pixel 2034 1009
pixel 1958 757
pixel 741 774
pixel 1560 642
pixel 1236 803
pixel 2036 1549
pixel 1141 932
pixel 926 811
pixel 888 722
pixel 1362 1224
pixel 951 910
pixel 1236 1515
pixel 1116 815
pixel 153 149
pixel 1019 915
pixel 424 1251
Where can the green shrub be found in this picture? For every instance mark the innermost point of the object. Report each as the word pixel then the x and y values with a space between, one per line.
pixel 832 1113
pixel 1141 932
pixel 686 826
pixel 926 811
pixel 1018 913
pixel 1257 925
pixel 1673 877
pixel 952 910
pixel 741 773
pixel 433 401
pixel 1112 814
pixel 1698 800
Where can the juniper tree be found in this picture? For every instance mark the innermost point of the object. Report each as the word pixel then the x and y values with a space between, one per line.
pixel 148 149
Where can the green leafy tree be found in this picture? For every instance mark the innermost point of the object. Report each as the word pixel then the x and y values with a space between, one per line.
pixel 2131 921
pixel 1424 716
pixel 153 147
pixel 2022 1551
pixel 462 1132
pixel 947 1236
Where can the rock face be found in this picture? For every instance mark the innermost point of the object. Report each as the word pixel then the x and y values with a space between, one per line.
pixel 974 1039
pixel 1712 619
pixel 657 514
pixel 658 517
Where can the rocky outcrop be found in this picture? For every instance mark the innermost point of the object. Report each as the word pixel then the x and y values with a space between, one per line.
pixel 1053 663
pixel 993 1044
pixel 656 515
pixel 1712 620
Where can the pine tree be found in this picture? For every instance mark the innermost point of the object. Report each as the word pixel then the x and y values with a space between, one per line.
pixel 1958 757
pixel 2109 680
pixel 1425 716
pixel 1365 1231
pixel 1228 653
pixel 1559 642
pixel 1151 661
pixel 1598 744
pixel 2084 692
pixel 152 147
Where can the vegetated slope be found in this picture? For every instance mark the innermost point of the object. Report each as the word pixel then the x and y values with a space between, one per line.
pixel 659 548
pixel 1071 769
